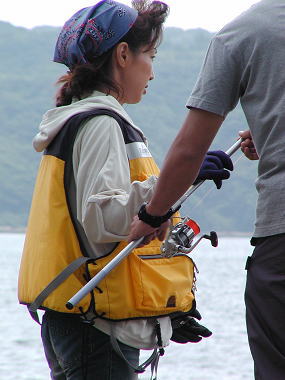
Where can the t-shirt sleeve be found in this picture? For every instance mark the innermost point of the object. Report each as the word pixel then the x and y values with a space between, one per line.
pixel 218 86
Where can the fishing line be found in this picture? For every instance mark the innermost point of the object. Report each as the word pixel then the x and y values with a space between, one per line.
pixel 201 200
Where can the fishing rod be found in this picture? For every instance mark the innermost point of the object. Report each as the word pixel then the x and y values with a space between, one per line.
pixel 134 244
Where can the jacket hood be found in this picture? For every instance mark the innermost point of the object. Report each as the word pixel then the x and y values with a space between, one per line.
pixel 54 119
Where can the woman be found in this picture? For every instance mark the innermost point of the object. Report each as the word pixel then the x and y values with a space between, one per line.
pixel 95 173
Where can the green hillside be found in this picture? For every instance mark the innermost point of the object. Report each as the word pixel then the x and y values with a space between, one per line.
pixel 27 79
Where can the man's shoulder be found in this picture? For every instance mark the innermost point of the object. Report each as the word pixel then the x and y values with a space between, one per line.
pixel 255 22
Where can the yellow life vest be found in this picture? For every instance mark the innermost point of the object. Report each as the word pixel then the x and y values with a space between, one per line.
pixel 144 284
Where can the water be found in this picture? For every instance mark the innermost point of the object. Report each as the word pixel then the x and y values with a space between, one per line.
pixel 221 281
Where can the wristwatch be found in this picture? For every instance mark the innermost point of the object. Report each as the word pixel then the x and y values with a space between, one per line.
pixel 152 220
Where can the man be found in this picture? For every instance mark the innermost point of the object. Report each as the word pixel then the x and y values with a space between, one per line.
pixel 245 61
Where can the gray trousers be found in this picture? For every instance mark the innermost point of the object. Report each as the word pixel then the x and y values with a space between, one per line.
pixel 265 307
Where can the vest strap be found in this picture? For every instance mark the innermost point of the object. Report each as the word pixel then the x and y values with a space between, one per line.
pixel 152 360
pixel 59 279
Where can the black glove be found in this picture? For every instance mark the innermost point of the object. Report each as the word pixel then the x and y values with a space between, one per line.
pixel 187 329
pixel 214 167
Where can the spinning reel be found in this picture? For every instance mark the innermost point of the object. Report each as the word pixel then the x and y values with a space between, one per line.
pixel 180 238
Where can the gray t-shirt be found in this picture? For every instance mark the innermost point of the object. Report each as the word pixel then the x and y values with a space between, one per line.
pixel 246 61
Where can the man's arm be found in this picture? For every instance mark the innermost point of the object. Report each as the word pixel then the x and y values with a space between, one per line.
pixel 181 165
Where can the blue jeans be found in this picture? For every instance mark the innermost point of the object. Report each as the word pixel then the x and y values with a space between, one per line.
pixel 78 351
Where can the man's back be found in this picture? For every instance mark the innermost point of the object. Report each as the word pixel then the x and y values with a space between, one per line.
pixel 245 62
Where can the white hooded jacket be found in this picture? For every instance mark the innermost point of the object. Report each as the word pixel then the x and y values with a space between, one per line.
pixel 106 199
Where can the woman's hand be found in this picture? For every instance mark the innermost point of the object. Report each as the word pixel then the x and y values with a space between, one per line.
pixel 247 146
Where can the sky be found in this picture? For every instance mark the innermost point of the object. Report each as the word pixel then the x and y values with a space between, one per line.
pixel 211 15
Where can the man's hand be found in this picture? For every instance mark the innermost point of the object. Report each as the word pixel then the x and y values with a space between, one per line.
pixel 216 166
pixel 247 146
pixel 139 229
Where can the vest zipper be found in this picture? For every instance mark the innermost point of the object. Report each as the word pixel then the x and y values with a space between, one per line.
pixel 196 270
pixel 146 257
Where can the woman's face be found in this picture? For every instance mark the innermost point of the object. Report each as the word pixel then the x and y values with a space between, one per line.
pixel 137 75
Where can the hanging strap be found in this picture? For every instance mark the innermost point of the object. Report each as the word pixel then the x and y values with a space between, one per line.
pixel 152 360
pixel 58 280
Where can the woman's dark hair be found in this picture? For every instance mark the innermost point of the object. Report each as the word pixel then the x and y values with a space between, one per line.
pixel 82 80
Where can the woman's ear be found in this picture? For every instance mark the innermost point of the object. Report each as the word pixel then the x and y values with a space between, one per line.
pixel 122 53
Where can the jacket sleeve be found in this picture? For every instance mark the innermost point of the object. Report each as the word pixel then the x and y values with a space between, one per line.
pixel 106 198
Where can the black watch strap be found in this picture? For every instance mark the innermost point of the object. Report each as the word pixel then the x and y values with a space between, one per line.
pixel 152 220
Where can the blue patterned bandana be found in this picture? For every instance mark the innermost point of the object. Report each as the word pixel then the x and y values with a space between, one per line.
pixel 92 31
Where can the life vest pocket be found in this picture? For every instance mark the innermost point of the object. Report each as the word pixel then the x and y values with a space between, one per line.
pixel 144 285
pixel 161 283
